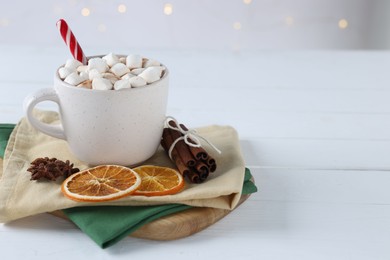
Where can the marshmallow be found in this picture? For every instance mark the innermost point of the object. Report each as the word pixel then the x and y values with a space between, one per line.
pixel 119 69
pixel 161 68
pixel 64 72
pixel 112 72
pixel 74 78
pixel 151 74
pixel 122 84
pixel 111 59
pixel 72 64
pixel 150 63
pixel 110 76
pixel 101 84
pixel 94 73
pixel 98 64
pixel 127 76
pixel 137 82
pixel 86 84
pixel 84 76
pixel 82 68
pixel 134 61
pixel 137 71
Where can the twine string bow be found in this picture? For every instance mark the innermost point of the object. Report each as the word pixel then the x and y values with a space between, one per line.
pixel 190 136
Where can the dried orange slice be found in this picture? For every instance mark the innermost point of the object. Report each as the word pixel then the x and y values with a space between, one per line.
pixel 158 181
pixel 101 183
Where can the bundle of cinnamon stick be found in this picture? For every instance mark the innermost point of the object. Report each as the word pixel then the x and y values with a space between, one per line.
pixel 192 162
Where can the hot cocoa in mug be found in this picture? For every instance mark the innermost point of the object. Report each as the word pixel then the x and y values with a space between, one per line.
pixel 122 125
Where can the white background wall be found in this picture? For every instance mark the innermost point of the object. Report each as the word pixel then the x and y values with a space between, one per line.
pixel 201 24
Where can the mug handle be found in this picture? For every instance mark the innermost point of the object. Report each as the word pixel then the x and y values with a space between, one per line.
pixel 46 94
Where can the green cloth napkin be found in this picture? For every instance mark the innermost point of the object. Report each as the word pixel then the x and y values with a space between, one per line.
pixel 106 225
pixel 5 132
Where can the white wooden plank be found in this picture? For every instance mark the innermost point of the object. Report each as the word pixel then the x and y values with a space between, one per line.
pixel 309 70
pixel 322 186
pixel 289 101
pixel 296 230
pixel 304 153
pixel 272 113
pixel 316 214
pixel 11 100
pixel 294 69
pixel 275 125
pixel 317 154
pixel 268 125
pixel 246 100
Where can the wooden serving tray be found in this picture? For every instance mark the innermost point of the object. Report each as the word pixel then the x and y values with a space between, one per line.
pixel 178 225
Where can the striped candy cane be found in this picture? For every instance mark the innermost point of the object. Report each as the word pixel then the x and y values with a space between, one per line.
pixel 71 41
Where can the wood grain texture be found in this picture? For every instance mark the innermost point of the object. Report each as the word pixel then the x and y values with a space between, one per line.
pixel 178 225
pixel 182 224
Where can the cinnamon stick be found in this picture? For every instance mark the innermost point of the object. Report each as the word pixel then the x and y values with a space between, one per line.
pixel 201 167
pixel 166 143
pixel 194 177
pixel 210 163
pixel 203 170
pixel 182 148
pixel 192 162
pixel 213 167
pixel 198 152
pixel 201 154
pixel 181 167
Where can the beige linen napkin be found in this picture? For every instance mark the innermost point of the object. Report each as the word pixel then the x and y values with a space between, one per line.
pixel 20 197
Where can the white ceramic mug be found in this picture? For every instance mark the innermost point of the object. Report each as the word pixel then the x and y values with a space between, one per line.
pixel 106 126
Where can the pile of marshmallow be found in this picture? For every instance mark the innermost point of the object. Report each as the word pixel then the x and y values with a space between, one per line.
pixel 112 72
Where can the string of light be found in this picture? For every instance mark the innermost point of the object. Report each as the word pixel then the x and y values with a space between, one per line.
pixel 167 10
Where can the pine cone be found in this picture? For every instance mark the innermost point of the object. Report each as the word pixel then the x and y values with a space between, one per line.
pixel 50 169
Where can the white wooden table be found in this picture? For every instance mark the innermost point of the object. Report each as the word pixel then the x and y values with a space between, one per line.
pixel 315 131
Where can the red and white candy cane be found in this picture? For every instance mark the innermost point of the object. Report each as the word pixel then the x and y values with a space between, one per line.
pixel 71 41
